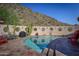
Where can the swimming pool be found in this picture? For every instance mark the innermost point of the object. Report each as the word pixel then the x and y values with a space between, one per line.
pixel 42 39
pixel 38 43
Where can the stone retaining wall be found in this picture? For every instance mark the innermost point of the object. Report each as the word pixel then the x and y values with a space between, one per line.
pixel 42 30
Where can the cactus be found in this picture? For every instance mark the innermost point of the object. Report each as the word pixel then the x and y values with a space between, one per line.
pixel 29 29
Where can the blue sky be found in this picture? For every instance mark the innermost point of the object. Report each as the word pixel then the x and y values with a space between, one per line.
pixel 64 12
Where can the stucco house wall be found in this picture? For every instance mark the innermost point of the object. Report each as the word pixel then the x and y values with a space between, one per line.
pixel 41 30
pixel 55 31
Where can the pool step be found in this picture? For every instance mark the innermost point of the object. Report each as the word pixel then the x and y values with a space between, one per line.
pixel 50 52
pixel 32 45
pixel 59 53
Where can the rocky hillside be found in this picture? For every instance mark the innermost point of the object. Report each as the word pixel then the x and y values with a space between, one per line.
pixel 25 16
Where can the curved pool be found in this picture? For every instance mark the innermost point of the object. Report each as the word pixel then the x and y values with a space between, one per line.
pixel 38 43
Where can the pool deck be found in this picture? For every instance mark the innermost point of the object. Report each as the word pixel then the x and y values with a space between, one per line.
pixel 16 48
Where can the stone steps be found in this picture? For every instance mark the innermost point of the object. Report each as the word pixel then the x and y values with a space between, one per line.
pixel 50 52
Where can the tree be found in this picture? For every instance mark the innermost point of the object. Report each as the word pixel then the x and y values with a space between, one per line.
pixel 14 21
pixel 9 17
pixel 5 15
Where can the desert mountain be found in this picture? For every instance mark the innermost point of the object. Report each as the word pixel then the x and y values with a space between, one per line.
pixel 26 16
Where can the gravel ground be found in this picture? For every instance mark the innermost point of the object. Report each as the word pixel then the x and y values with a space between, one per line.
pixel 16 48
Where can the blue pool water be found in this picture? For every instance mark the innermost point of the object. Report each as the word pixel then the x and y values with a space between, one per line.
pixel 43 39
pixel 61 44
pixel 32 45
pixel 42 46
pixel 38 43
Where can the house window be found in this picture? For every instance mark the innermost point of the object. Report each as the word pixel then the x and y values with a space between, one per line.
pixel 43 29
pixel 60 29
pixel 51 29
pixel 69 29
pixel 5 29
pixel 35 29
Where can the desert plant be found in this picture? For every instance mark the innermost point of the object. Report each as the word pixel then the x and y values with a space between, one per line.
pixel 29 29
